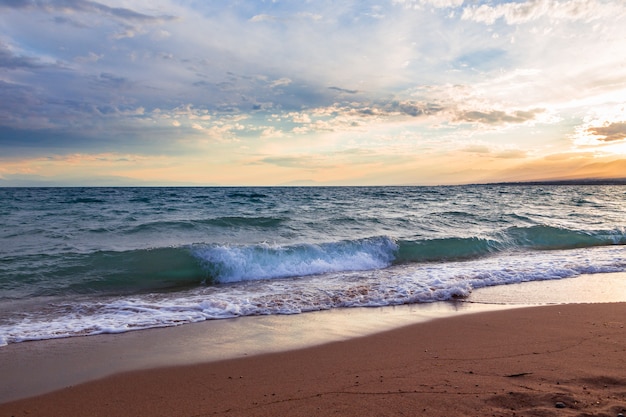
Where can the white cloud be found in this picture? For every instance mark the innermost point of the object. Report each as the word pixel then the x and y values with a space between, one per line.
pixel 416 4
pixel 91 57
pixel 313 16
pixel 263 18
pixel 280 82
pixel 271 132
pixel 603 125
pixel 420 73
pixel 300 117
pixel 526 11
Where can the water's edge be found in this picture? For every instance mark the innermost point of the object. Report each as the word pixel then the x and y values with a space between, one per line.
pixel 34 368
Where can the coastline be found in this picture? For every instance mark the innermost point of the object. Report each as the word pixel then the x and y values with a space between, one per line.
pixel 38 367
pixel 279 353
pixel 514 361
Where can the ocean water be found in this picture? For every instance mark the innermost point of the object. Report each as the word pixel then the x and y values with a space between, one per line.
pixel 81 261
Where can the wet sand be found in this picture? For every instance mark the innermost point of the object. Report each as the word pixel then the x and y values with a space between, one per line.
pixel 565 360
pixel 489 355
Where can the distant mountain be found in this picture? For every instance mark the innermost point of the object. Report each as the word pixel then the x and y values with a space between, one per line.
pixel 582 181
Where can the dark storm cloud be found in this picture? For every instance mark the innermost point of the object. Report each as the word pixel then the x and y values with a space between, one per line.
pixel 611 132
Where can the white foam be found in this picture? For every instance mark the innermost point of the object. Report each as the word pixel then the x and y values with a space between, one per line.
pixel 400 284
pixel 230 263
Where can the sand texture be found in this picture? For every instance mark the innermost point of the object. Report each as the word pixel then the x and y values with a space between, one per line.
pixel 563 360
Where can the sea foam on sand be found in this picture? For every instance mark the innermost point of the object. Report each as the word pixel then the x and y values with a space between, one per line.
pixel 36 367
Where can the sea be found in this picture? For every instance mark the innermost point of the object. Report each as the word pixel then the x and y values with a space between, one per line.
pixel 84 261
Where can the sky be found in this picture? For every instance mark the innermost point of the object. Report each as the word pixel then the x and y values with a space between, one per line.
pixel 317 92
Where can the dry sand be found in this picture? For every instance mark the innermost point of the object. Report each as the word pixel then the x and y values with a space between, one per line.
pixel 562 360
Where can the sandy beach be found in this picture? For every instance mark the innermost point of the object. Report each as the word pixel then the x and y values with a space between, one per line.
pixel 559 360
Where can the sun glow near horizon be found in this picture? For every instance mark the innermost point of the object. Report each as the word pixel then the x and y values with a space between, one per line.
pixel 377 92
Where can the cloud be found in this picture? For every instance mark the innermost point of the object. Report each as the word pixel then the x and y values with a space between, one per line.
pixel 11 61
pixel 381 108
pixel 131 21
pixel 602 129
pixel 20 107
pixel 271 132
pixel 343 90
pixel 480 149
pixel 484 150
pixel 301 161
pixel 263 18
pixel 64 20
pixel 109 80
pixel 511 154
pixel 33 108
pixel 416 4
pixel 280 82
pixel 309 15
pixel 610 132
pixel 526 11
pixel 413 108
pixel 310 79
pixel 563 167
pixel 66 6
pixel 355 116
pixel 482 59
pixel 497 117
pixel 90 57
pixel 300 117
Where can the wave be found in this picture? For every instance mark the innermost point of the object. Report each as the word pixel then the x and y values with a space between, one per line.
pixel 175 268
pixel 172 268
pixel 89 200
pixel 514 238
pixel 102 272
pixel 228 263
pixel 222 222
pixel 446 249
pixel 399 284
pixel 552 238
pixel 260 222
pixel 244 194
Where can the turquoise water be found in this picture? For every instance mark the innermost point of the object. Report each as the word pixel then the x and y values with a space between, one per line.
pixel 76 261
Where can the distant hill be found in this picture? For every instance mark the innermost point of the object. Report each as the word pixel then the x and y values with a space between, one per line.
pixel 582 181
